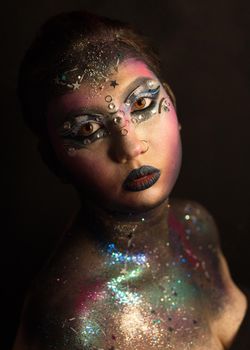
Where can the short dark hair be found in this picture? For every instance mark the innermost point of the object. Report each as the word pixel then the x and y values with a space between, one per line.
pixel 67 40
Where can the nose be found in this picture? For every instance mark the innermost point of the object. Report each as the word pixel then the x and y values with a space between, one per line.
pixel 126 145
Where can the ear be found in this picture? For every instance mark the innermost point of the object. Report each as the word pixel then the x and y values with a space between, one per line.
pixel 50 159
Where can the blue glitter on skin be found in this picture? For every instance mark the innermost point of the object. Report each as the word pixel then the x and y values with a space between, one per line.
pixel 118 257
pixel 111 247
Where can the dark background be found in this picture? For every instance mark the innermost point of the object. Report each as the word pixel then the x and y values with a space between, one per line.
pixel 205 51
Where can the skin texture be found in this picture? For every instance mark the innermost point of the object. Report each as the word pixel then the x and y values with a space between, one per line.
pixel 134 271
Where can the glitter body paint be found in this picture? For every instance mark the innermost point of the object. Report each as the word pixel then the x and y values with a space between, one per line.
pixel 157 285
pixel 132 272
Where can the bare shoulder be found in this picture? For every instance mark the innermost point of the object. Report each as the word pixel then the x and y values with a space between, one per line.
pixel 200 238
pixel 56 296
pixel 197 233
pixel 225 302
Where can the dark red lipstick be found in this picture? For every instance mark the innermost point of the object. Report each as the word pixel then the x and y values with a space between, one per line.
pixel 142 178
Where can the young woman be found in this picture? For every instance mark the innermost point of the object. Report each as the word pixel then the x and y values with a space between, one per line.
pixel 135 270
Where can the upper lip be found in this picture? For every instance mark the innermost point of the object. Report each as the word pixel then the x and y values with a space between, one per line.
pixel 140 172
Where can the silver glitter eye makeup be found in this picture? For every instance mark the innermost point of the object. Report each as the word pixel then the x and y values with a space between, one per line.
pixel 86 141
pixel 83 130
pixel 144 90
pixel 144 104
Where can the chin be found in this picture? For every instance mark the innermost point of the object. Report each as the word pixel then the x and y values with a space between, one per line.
pixel 141 201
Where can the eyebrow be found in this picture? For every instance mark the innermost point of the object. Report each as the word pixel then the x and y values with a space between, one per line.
pixel 96 110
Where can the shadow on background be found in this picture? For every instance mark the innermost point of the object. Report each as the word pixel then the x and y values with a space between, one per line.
pixel 204 48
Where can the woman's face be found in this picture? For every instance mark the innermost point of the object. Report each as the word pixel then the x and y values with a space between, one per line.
pixel 127 124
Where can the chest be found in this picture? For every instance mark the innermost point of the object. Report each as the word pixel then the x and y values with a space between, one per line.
pixel 130 310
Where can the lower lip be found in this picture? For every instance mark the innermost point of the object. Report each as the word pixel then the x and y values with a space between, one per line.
pixel 142 183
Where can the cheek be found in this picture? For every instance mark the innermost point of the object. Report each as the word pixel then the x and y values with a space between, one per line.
pixel 94 172
pixel 165 133
pixel 167 145
pixel 88 168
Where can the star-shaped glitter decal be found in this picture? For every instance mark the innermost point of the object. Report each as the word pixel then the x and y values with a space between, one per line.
pixel 113 83
pixel 76 85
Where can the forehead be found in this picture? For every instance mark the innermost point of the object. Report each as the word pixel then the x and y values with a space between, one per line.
pixel 117 83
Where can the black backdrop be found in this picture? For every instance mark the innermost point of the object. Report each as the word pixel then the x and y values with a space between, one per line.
pixel 204 46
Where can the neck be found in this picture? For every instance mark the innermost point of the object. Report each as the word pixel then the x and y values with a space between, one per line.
pixel 130 232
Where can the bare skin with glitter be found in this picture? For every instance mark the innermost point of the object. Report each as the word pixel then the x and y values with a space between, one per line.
pixel 133 272
pixel 151 283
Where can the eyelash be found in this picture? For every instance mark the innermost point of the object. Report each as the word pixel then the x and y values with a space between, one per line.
pixel 151 93
pixel 138 111
pixel 153 96
pixel 71 134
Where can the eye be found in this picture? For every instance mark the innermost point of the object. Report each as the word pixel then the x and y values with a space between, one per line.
pixel 88 129
pixel 141 103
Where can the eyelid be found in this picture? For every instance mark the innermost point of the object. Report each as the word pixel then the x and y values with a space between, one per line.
pixel 76 127
pixel 150 93
pixel 81 115
pixel 87 118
